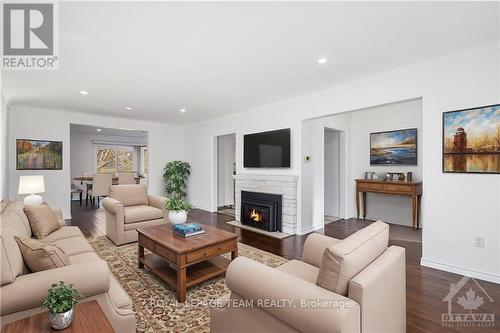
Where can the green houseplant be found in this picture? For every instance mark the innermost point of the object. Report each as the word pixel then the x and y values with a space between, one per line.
pixel 176 174
pixel 60 301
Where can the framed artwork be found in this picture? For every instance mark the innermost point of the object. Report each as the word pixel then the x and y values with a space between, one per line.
pixel 394 147
pixel 38 155
pixel 471 140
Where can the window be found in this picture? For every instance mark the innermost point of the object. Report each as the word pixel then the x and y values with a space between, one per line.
pixel 114 159
pixel 125 160
pixel 106 160
pixel 145 156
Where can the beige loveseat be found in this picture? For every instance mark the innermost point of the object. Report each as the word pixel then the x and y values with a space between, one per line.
pixel 288 299
pixel 22 292
pixel 129 207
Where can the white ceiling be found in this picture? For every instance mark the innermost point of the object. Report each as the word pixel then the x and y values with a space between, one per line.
pixel 215 59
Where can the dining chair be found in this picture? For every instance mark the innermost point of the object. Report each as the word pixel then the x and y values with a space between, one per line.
pixel 101 182
pixel 126 178
pixel 87 185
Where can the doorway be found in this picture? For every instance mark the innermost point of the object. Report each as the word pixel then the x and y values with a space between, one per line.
pixel 334 182
pixel 226 169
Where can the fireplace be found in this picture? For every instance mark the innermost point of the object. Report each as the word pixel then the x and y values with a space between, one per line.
pixel 261 210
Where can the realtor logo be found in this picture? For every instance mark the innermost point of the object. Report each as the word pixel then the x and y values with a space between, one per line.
pixel 470 296
pixel 29 36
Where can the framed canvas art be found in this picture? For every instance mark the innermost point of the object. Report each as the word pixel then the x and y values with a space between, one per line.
pixel 397 147
pixel 471 140
pixel 38 155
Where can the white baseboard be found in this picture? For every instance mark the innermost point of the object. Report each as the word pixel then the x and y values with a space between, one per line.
pixel 461 271
pixel 310 229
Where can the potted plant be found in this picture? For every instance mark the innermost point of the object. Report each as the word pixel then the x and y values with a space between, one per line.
pixel 176 174
pixel 178 209
pixel 60 302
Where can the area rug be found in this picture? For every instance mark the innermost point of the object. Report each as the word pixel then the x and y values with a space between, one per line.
pixel 155 303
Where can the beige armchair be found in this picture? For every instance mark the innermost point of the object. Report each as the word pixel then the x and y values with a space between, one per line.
pixel 369 296
pixel 129 207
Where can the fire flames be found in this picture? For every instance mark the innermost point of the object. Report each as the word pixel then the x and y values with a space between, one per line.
pixel 256 216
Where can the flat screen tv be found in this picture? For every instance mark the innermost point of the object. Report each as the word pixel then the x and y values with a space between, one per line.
pixel 267 149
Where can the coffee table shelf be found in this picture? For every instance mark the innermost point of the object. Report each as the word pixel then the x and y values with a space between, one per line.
pixel 195 274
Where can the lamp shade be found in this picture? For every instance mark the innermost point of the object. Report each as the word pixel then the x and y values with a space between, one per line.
pixel 31 185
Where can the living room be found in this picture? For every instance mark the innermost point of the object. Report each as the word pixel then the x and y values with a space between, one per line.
pixel 411 186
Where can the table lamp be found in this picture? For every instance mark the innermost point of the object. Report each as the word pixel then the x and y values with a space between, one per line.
pixel 31 185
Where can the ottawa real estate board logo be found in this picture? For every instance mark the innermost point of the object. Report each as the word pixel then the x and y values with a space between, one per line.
pixel 30 36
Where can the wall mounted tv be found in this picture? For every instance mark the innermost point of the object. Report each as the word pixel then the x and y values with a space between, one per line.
pixel 267 149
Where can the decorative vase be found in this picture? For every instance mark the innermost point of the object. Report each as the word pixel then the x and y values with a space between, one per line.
pixel 177 216
pixel 60 321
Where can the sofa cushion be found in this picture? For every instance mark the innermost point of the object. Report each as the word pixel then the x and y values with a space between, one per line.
pixel 42 220
pixel 83 257
pixel 343 260
pixel 141 213
pixel 129 195
pixel 301 270
pixel 17 207
pixel 12 260
pixel 63 232
pixel 73 245
pixel 40 256
pixel 143 224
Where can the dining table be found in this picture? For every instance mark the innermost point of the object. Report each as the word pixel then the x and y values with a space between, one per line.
pixel 88 179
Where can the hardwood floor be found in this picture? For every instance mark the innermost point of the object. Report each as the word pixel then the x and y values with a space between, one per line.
pixel 425 287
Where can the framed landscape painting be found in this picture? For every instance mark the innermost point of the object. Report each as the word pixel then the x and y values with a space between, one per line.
pixel 471 140
pixel 38 155
pixel 394 147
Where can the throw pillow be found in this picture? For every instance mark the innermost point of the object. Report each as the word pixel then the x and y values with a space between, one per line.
pixel 39 256
pixel 42 220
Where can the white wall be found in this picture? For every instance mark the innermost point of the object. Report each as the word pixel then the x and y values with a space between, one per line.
pixel 407 114
pixel 455 207
pixel 165 144
pixel 226 156
pixel 332 173
pixel 83 150
pixel 4 183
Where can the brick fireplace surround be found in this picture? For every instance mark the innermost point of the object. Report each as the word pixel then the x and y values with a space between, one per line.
pixel 274 184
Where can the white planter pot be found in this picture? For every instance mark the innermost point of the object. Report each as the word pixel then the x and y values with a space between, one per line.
pixel 177 216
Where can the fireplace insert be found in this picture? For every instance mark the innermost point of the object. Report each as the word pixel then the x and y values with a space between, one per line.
pixel 261 210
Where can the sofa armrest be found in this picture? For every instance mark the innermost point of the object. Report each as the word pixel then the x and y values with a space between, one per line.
pixel 112 205
pixel 383 279
pixel 300 304
pixel 159 202
pixel 315 246
pixel 58 213
pixel 30 290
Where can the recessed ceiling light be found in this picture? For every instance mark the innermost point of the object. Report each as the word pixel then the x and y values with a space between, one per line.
pixel 322 60
pixel 98 130
pixel 182 110
pixel 84 92
pixel 128 108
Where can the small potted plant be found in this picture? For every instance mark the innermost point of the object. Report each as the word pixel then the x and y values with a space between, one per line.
pixel 178 209
pixel 60 302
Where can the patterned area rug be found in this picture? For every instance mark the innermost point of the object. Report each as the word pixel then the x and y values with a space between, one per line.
pixel 155 303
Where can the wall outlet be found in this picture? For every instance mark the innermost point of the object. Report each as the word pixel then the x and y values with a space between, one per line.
pixel 479 241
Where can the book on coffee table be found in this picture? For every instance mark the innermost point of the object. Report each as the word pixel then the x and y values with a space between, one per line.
pixel 188 229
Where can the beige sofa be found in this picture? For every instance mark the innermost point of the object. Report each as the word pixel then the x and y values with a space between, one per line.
pixel 129 207
pixel 22 292
pixel 374 299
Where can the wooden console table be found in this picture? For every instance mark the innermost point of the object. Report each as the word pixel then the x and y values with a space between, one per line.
pixel 413 189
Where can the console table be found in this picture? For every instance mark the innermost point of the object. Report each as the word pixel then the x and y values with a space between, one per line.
pixel 413 189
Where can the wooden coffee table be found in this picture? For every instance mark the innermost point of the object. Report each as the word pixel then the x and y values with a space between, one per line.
pixel 184 262
pixel 89 318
